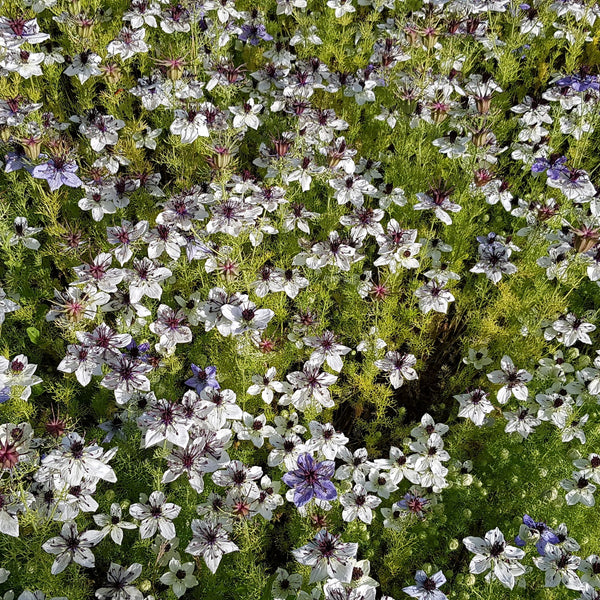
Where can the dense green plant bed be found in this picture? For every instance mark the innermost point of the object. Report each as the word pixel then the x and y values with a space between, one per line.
pixel 299 299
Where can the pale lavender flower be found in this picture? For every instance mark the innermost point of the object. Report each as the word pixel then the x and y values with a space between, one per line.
pixel 58 172
pixel 426 587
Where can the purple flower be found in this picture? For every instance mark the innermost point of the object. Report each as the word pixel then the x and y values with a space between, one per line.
pixel 138 351
pixel 580 83
pixel 16 161
pixel 4 394
pixel 546 535
pixel 203 378
pixel 311 479
pixel 413 503
pixel 254 33
pixel 58 172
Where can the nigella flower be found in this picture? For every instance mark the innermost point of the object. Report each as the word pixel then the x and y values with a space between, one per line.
pixel 414 504
pixel 328 555
pixel 531 528
pixel 492 553
pixel 157 514
pixel 211 540
pixel 70 546
pixel 426 588
pixel 311 480
pixel 254 33
pixel 57 172
pixel 118 583
pixel 203 378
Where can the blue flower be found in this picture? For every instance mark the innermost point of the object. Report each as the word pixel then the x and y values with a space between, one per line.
pixel 311 479
pixel 4 394
pixel 203 378
pixel 547 536
pixel 254 33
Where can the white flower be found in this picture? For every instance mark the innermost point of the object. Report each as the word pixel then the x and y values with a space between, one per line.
pixel 84 65
pixel 180 577
pixel 341 7
pixel 246 115
pixel 311 388
pixel 327 555
pixel 285 584
pixel 118 585
pixel 514 381
pixel 6 305
pixel 246 317
pixel 573 330
pixel 266 385
pixel 522 421
pixel 128 43
pixel 23 234
pixel 399 366
pixel 210 539
pixel 146 138
pixel 325 439
pixel 72 546
pixel 474 405
pixel 74 461
pixel 560 566
pixel 190 125
pixel 358 503
pixel 326 350
pixel 113 524
pixel 156 515
pixel 493 553
pixel 579 490
pixel 433 296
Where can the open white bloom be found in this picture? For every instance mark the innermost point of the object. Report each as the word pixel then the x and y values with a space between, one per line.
pixel 433 296
pixel 514 381
pixel 246 317
pixel 492 552
pixel 180 577
pixel 157 514
pixel 23 234
pixel 328 555
pixel 113 524
pixel 399 366
pixel 573 330
pixel 211 540
pixel 326 350
pixel 325 440
pixel 475 405
pixel 560 566
pixel 118 583
pixel 311 388
pixel 73 461
pixel 71 546
pixel 266 385
pixel 358 503
pixel 579 490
